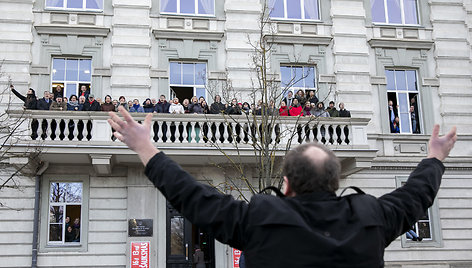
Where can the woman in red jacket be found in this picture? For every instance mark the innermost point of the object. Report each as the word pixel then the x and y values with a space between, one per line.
pixel 283 110
pixel 295 109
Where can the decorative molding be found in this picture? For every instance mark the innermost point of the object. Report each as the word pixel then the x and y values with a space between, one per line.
pixel 432 82
pixel 378 80
pixel 327 78
pixel 301 39
pixel 397 43
pixel 37 70
pixel 188 35
pixel 159 73
pixel 72 30
pixel 101 72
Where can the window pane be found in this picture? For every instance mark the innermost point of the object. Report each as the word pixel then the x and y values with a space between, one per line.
pixel 424 230
pixel 71 89
pixel 378 10
pixel 95 4
pixel 75 3
pixel 200 74
pixel 187 6
pixel 206 7
pixel 57 192
pixel 200 92
pixel 56 214
pixel 74 192
pixel 58 69
pixel 72 70
pixel 55 232
pixel 276 8
pixel 294 10
pixel 411 80
pixel 311 10
pixel 54 3
pixel 169 6
pixel 411 14
pixel 286 76
pixel 404 113
pixel 394 11
pixel 390 79
pixel 189 71
pixel 175 73
pixel 309 73
pixel 298 74
pixel 85 70
pixel 177 235
pixel 400 79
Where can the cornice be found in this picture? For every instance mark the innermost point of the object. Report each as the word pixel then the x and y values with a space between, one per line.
pixel 72 30
pixel 400 43
pixel 188 34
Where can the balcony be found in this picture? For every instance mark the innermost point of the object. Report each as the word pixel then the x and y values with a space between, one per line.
pixel 86 138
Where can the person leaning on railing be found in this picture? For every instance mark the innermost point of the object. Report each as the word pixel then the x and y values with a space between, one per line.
pixel 58 104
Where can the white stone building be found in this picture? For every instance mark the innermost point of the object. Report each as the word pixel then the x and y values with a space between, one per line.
pixel 362 52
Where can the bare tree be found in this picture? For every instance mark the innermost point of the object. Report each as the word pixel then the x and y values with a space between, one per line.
pixel 11 132
pixel 262 131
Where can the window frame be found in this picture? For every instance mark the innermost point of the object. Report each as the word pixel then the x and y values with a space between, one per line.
pixel 194 85
pixel 295 89
pixel 397 91
pixel 53 83
pixel 84 8
pixel 64 205
pixel 45 245
pixel 434 223
pixel 402 6
pixel 302 13
pixel 178 13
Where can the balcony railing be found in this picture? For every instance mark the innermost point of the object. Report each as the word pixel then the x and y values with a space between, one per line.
pixel 83 127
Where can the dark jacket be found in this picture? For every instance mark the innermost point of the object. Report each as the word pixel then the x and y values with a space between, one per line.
pixel 42 104
pixel 217 108
pixel 317 229
pixel 30 100
pixel 108 107
pixel 73 106
pixel 94 106
pixel 162 107
pixel 332 112
pixel 344 113
pixel 149 108
pixel 233 110
pixel 195 108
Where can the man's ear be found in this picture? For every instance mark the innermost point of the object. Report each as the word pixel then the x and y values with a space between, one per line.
pixel 286 189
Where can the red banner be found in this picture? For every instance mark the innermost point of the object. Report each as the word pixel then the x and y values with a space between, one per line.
pixel 140 255
pixel 236 257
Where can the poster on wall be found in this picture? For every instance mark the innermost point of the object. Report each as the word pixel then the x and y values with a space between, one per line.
pixel 140 254
pixel 236 256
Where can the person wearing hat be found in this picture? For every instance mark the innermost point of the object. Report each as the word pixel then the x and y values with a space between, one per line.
pixel 58 104
pixel 91 104
pixel 30 101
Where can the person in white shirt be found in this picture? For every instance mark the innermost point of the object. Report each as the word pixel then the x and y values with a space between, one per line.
pixel 176 107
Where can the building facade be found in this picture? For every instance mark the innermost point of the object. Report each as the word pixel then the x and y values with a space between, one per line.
pixel 364 53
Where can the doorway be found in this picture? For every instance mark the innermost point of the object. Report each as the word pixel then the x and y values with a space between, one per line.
pixel 183 238
pixel 182 93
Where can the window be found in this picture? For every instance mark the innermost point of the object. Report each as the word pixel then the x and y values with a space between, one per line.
pixel 71 74
pixel 75 4
pixel 403 101
pixel 294 9
pixel 188 7
pixel 187 80
pixel 403 12
pixel 296 78
pixel 427 227
pixel 65 213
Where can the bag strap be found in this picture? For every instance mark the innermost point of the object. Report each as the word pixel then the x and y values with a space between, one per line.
pixel 275 189
pixel 355 188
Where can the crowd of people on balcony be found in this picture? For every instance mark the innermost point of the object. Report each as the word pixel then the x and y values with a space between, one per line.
pixel 291 105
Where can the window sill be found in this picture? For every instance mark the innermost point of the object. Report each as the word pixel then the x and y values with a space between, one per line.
pixel 173 15
pixel 69 10
pixel 305 21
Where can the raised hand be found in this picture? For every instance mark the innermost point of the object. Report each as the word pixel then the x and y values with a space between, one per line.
pixel 136 136
pixel 440 147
